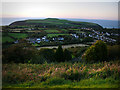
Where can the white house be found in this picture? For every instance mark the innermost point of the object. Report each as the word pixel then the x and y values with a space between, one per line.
pixel 43 38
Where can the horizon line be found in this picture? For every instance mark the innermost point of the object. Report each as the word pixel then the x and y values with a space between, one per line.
pixel 60 18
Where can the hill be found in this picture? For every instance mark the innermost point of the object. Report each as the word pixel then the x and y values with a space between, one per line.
pixel 55 23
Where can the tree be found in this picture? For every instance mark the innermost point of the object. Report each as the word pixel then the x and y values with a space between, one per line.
pixel 97 52
pixel 59 56
pixel 67 55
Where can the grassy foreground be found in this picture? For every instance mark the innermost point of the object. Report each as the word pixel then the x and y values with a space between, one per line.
pixel 62 75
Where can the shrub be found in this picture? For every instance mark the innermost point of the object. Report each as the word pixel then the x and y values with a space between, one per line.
pixel 97 52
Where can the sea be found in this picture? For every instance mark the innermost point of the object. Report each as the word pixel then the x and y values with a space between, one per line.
pixel 103 23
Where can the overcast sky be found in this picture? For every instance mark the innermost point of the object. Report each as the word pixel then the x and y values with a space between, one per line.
pixel 76 9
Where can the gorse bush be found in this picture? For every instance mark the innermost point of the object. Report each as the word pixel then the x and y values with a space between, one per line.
pixel 97 52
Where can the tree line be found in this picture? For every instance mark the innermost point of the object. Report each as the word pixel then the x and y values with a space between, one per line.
pixel 26 53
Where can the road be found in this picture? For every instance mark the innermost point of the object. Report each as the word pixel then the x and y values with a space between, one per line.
pixel 63 46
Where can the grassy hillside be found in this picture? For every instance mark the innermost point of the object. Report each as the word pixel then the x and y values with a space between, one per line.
pixel 62 75
pixel 58 23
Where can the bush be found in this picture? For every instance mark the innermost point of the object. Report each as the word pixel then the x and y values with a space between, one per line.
pixel 97 52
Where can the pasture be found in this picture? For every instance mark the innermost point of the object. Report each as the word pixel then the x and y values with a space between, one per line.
pixel 51 31
pixel 11 37
pixel 53 35
pixel 7 39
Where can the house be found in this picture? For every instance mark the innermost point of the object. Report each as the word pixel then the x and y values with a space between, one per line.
pixel 38 40
pixel 16 41
pixel 31 40
pixel 107 34
pixel 47 40
pixel 74 35
pixel 53 39
pixel 43 38
pixel 60 38
pixel 90 35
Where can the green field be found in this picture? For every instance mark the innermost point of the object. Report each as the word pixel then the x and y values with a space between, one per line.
pixel 61 75
pixel 10 37
pixel 7 39
pixel 53 35
pixel 65 30
pixel 51 31
pixel 18 35
pixel 80 32
pixel 75 29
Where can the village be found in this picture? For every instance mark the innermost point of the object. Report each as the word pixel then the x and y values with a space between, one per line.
pixel 96 35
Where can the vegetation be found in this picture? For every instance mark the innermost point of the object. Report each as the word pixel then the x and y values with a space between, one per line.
pixel 18 53
pixel 113 52
pixel 18 35
pixel 53 35
pixel 25 52
pixel 62 75
pixel 59 55
pixel 55 23
pixel 26 67
pixel 90 66
pixel 51 31
pixel 7 39
pixel 97 52
pixel 67 55
pixel 11 37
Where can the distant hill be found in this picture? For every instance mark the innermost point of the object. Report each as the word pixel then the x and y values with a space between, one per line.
pixel 55 23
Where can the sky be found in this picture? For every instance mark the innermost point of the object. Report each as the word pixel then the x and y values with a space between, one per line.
pixel 61 9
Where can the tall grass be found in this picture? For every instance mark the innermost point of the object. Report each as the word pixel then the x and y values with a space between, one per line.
pixel 64 75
